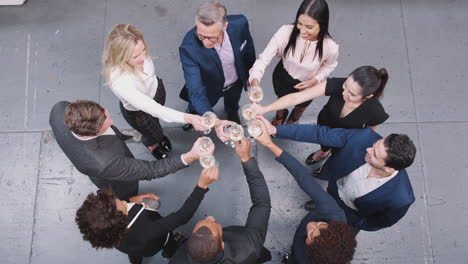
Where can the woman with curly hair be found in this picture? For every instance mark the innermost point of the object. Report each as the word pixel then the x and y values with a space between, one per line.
pixel 323 236
pixel 108 222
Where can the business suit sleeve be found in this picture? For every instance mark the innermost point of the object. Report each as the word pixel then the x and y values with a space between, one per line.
pixel 194 83
pixel 333 137
pixel 130 169
pixel 326 205
pixel 249 53
pixel 181 216
pixel 382 219
pixel 259 214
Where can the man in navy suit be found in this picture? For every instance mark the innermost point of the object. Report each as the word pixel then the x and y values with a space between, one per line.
pixel 216 56
pixel 366 173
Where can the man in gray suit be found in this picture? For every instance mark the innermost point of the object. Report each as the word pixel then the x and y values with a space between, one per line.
pixel 211 243
pixel 85 133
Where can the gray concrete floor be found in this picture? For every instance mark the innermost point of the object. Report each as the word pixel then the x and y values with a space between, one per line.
pixel 50 50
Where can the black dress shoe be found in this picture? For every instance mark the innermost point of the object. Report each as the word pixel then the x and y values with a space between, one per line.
pixel 234 117
pixel 159 153
pixel 311 161
pixel 285 259
pixel 166 144
pixel 317 172
pixel 187 127
pixel 310 205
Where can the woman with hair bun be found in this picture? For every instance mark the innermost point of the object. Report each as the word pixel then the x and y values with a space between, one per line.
pixel 129 72
pixel 353 103
pixel 308 55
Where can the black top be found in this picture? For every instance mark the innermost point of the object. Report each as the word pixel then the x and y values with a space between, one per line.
pixel 369 113
pixel 242 244
pixel 149 231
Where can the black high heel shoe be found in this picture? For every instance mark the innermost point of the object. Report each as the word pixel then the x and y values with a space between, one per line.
pixel 159 153
pixel 166 144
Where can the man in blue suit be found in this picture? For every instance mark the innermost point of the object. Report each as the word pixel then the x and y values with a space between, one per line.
pixel 216 56
pixel 366 173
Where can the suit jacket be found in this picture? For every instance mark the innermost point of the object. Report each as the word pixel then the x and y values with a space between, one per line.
pixel 148 233
pixel 203 72
pixel 378 209
pixel 243 244
pixel 326 207
pixel 107 160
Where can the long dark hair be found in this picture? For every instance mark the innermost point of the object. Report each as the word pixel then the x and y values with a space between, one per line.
pixel 371 80
pixel 318 10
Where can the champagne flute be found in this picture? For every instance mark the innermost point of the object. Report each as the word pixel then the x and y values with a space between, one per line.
pixel 152 204
pixel 254 127
pixel 209 120
pixel 206 144
pixel 255 94
pixel 248 112
pixel 207 161
pixel 236 133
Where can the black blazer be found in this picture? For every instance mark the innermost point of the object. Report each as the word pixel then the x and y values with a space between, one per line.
pixel 107 160
pixel 148 233
pixel 243 244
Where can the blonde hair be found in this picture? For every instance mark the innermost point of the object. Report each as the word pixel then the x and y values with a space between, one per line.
pixel 118 49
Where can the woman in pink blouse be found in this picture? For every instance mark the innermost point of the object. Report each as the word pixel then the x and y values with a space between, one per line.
pixel 308 55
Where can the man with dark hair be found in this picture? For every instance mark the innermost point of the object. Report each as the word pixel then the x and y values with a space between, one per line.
pixel 134 228
pixel 216 56
pixel 366 173
pixel 323 236
pixel 85 133
pixel 210 243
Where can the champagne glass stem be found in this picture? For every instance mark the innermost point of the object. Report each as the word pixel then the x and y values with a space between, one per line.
pixel 206 132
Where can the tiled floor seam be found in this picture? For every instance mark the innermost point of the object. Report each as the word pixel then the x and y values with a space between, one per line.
pixel 103 37
pixel 35 198
pixel 418 129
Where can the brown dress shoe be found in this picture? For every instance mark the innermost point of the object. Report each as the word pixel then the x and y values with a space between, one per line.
pixel 295 115
pixel 280 117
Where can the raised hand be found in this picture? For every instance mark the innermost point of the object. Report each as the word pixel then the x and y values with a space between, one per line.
pixel 264 138
pixel 258 109
pixel 267 126
pixel 243 149
pixel 208 176
pixel 306 84
pixel 219 128
pixel 138 199
pixel 196 121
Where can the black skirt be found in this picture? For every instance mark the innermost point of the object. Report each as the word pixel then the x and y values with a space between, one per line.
pixel 284 84
pixel 146 124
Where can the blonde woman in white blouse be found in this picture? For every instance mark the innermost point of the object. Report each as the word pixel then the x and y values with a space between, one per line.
pixel 129 72
pixel 308 55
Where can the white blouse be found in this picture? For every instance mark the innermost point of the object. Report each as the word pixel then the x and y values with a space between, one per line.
pixel 357 184
pixel 136 93
pixel 309 68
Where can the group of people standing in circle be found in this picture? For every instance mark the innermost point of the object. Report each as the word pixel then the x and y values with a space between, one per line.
pixel 368 187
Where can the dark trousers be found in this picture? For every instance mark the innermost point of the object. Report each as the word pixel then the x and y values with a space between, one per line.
pixel 231 99
pixel 146 124
pixel 283 83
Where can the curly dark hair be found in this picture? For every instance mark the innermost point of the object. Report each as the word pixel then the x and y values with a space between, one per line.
pixel 334 245
pixel 99 220
pixel 400 151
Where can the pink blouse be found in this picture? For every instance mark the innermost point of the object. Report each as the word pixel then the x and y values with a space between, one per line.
pixel 309 68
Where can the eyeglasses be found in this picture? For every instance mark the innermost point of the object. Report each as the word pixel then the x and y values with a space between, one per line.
pixel 201 37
